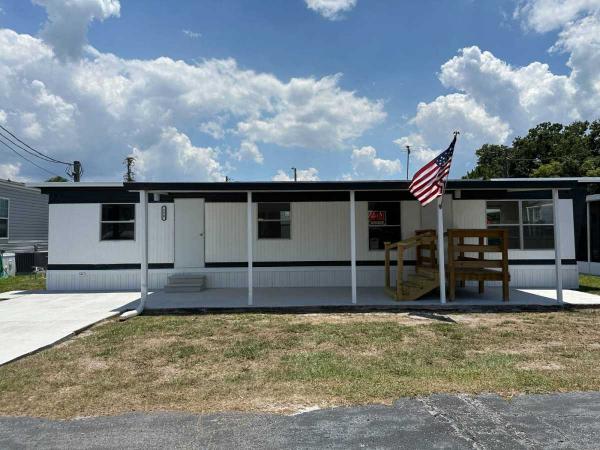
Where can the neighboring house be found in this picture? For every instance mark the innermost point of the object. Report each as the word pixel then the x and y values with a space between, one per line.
pixel 23 218
pixel 299 233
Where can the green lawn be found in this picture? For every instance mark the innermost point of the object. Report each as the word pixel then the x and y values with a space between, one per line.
pixel 22 283
pixel 589 283
pixel 285 362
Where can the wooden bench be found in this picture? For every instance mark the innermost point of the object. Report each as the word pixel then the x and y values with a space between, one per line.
pixel 462 268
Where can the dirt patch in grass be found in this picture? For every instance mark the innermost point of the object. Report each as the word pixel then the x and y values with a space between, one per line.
pixel 287 363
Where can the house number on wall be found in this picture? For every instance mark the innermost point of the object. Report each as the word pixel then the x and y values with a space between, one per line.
pixel 163 213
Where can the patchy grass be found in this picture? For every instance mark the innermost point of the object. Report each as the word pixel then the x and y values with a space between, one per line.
pixel 590 284
pixel 22 283
pixel 283 363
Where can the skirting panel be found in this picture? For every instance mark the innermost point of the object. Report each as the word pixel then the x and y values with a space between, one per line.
pixel 367 276
pixel 592 268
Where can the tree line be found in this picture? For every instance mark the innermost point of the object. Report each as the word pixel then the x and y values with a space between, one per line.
pixel 548 150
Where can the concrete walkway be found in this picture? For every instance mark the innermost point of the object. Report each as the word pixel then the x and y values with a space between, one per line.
pixel 32 321
pixel 440 421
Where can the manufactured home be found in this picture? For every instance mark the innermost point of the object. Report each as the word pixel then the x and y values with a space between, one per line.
pixel 120 236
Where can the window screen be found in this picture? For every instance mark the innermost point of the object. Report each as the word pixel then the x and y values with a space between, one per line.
pixel 117 222
pixel 274 221
pixel 384 224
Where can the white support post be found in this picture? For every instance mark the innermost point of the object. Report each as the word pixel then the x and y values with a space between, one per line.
pixel 250 239
pixel 589 238
pixel 440 245
pixel 143 236
pixel 353 245
pixel 557 255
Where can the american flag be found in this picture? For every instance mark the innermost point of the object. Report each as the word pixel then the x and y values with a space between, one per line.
pixel 428 183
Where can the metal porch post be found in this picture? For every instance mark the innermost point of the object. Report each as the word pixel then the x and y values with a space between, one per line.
pixel 353 245
pixel 143 234
pixel 249 243
pixel 557 255
pixel 440 245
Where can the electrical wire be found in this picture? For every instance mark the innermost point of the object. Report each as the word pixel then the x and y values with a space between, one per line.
pixel 27 159
pixel 31 149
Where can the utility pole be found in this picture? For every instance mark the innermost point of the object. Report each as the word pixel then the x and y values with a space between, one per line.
pixel 295 174
pixel 76 174
pixel 129 176
pixel 407 159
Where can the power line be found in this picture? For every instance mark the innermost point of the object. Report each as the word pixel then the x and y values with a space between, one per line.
pixel 35 152
pixel 27 159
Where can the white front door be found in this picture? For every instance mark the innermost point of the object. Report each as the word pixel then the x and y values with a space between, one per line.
pixel 189 232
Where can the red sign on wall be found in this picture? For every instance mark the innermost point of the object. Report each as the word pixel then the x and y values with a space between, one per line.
pixel 376 217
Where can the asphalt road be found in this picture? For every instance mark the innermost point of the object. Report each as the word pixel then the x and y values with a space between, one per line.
pixel 440 421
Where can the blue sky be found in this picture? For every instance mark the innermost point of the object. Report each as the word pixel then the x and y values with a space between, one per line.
pixel 197 90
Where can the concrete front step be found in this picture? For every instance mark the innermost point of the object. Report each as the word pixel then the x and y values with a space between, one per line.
pixel 185 288
pixel 186 282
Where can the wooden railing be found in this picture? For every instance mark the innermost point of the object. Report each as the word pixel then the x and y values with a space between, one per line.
pixel 462 268
pixel 423 241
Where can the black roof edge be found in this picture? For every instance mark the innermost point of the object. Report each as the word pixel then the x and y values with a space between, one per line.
pixel 343 185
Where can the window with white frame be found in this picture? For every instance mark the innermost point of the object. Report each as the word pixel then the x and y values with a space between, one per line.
pixel 117 222
pixel 4 218
pixel 384 224
pixel 530 223
pixel 274 221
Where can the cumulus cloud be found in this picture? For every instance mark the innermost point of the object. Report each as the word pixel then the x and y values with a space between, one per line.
pixel 494 101
pixel 310 174
pixel 68 21
pixel 331 9
pixel 367 166
pixel 175 151
pixel 249 151
pixel 548 15
pixel 98 107
pixel 10 172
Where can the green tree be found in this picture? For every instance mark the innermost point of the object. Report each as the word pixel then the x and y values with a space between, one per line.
pixel 57 179
pixel 548 150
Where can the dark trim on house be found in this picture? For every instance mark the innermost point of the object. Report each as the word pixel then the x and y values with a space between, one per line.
pixel 99 195
pixel 108 266
pixel 512 262
pixel 346 185
pixel 491 194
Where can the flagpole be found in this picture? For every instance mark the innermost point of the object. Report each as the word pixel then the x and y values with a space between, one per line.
pixel 440 245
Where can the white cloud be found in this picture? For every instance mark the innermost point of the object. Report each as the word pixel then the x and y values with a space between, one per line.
pixel 418 147
pixel 99 107
pixel 175 151
pixel 315 114
pixel 213 128
pixel 192 34
pixel 366 165
pixel 496 101
pixel 10 171
pixel 548 15
pixel 331 9
pixel 310 174
pixel 68 21
pixel 249 151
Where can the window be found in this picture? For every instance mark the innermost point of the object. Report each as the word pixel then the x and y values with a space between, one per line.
pixel 384 224
pixel 117 222
pixel 530 223
pixel 3 218
pixel 274 221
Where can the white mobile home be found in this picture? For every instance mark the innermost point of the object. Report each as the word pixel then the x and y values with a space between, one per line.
pixel 290 234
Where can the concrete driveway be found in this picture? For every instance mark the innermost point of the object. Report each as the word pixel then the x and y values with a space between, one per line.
pixel 32 321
